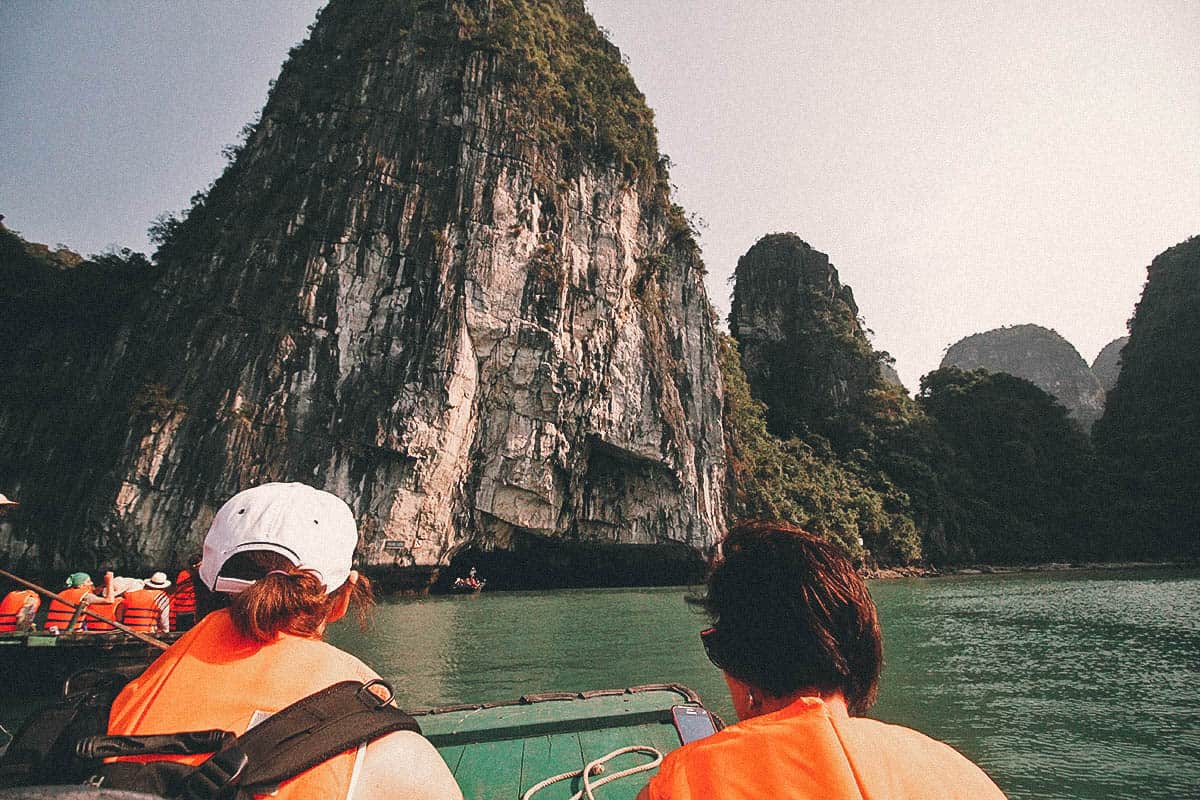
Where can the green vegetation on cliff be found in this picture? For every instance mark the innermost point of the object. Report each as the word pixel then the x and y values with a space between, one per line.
pixel 563 85
pixel 569 78
pixel 1014 472
pixel 1039 355
pixel 802 481
pixel 61 317
pixel 41 287
pixel 1149 436
pixel 979 468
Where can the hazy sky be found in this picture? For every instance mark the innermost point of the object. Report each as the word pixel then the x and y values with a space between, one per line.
pixel 965 165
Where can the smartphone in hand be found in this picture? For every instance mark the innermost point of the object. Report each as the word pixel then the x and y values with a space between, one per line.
pixel 692 722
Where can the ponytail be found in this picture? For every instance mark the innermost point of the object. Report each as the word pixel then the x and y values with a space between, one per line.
pixel 287 599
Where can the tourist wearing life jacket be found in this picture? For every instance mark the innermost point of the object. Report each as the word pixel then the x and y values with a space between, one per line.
pixel 278 557
pixel 796 634
pixel 149 609
pixel 78 592
pixel 18 609
pixel 106 609
pixel 183 598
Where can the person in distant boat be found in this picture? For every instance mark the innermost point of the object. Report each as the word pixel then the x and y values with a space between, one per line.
pixel 17 610
pixel 108 609
pixel 79 592
pixel 148 609
pixel 118 586
pixel 796 634
pixel 278 559
pixel 183 597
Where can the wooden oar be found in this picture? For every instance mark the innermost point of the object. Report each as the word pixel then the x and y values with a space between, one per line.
pixel 84 609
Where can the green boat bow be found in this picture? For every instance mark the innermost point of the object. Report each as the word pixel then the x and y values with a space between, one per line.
pixel 498 751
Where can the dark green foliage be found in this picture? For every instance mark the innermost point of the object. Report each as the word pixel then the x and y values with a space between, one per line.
pixel 817 375
pixel 1149 436
pixel 1013 471
pixel 569 78
pixel 61 318
pixel 804 482
pixel 985 467
pixel 40 287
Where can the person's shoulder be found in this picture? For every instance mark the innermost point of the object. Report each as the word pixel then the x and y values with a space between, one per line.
pixel 405 766
pixel 336 659
pixel 923 757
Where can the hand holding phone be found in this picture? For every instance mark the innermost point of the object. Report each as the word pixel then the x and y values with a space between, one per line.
pixel 692 722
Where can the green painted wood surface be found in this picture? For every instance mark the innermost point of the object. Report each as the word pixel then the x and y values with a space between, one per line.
pixel 498 753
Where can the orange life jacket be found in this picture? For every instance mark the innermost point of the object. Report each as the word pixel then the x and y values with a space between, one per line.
pixel 59 614
pixel 213 677
pixel 813 749
pixel 142 609
pixel 183 601
pixel 11 605
pixel 109 610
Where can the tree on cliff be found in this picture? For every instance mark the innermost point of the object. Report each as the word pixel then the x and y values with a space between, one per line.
pixel 1039 355
pixel 1149 436
pixel 804 351
pixel 985 467
pixel 1014 472
pixel 61 293
pixel 804 483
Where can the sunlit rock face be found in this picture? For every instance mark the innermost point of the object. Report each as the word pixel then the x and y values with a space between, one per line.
pixel 401 293
pixel 1107 365
pixel 1040 356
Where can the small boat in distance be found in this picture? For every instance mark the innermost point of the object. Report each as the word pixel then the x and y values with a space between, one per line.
pixel 468 585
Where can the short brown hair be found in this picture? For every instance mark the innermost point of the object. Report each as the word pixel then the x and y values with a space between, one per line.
pixel 790 612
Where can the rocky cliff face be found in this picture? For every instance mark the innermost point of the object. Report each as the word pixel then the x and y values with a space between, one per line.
pixel 804 353
pixel 1107 365
pixel 1149 436
pixel 431 284
pixel 1038 355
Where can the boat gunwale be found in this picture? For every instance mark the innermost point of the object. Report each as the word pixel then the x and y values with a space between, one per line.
pixel 542 697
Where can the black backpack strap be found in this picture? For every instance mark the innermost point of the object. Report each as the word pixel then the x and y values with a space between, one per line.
pixel 304 734
pixel 162 744
pixel 43 750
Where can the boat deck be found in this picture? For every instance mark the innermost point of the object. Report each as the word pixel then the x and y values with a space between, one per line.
pixel 498 751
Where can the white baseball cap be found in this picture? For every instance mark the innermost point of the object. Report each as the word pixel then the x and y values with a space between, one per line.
pixel 313 529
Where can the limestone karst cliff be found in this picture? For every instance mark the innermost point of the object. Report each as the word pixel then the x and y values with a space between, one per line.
pixel 442 278
pixel 804 353
pixel 1149 436
pixel 812 423
pixel 1107 365
pixel 1040 356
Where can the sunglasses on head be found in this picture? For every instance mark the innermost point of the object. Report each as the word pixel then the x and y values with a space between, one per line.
pixel 711 642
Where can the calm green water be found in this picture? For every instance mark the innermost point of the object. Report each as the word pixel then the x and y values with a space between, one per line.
pixel 1069 685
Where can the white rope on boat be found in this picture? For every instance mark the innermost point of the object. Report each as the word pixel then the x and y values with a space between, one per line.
pixel 595 768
